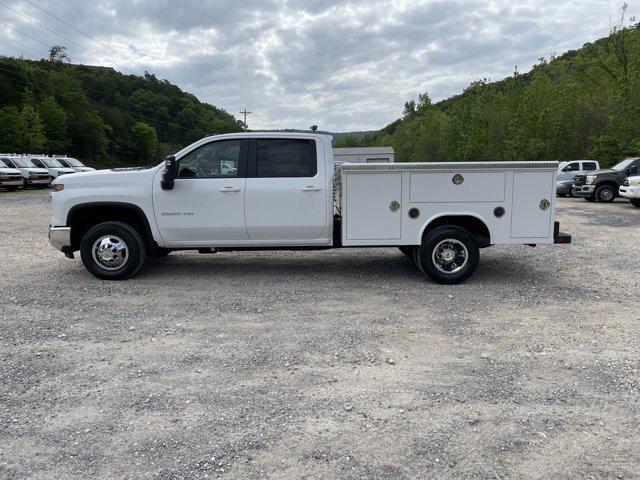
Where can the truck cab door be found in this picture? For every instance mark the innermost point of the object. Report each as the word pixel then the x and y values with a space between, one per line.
pixel 206 205
pixel 286 191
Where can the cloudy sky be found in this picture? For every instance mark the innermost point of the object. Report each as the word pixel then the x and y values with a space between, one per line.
pixel 343 65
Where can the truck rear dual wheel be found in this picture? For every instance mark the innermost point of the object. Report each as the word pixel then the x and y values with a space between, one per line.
pixel 448 255
pixel 113 251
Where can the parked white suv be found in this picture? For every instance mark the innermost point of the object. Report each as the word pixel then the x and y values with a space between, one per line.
pixel 264 190
pixel 631 189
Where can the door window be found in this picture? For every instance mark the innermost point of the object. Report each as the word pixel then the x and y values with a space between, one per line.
pixel 286 157
pixel 219 159
pixel 588 166
pixel 573 167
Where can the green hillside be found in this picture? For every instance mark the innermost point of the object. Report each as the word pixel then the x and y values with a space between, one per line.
pixel 97 114
pixel 583 104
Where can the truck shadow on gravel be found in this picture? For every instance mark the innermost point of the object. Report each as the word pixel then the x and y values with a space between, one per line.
pixel 496 267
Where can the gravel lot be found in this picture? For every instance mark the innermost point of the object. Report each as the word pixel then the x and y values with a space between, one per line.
pixel 337 364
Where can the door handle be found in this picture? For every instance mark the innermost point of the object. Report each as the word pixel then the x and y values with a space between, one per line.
pixel 311 188
pixel 230 189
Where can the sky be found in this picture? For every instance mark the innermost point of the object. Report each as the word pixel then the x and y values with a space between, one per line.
pixel 341 65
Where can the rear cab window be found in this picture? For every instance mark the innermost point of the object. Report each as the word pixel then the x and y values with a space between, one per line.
pixel 588 166
pixel 284 157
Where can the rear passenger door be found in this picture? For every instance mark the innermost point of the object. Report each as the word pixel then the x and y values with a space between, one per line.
pixel 285 196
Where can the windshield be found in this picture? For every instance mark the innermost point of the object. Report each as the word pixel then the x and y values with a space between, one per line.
pixel 623 164
pixel 51 163
pixel 73 162
pixel 22 162
pixel 3 163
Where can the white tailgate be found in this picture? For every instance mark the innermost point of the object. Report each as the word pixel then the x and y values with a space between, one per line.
pixel 367 198
pixel 528 220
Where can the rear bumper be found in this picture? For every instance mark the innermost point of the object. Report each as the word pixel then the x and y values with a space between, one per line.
pixel 60 238
pixel 558 236
pixel 630 192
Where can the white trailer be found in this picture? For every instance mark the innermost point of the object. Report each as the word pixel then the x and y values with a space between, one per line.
pixel 281 194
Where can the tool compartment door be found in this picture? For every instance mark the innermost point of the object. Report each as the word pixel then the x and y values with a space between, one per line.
pixel 368 212
pixel 528 220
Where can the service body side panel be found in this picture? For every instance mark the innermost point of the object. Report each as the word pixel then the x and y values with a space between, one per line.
pixel 430 188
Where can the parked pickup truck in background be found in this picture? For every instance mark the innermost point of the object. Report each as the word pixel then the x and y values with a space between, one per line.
pixel 567 172
pixel 32 176
pixel 280 191
pixel 603 185
pixel 10 178
pixel 631 189
pixel 74 163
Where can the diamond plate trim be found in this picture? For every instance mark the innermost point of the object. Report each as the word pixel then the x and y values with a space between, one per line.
pixel 416 167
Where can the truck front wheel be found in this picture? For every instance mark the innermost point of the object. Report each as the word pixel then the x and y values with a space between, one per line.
pixel 113 251
pixel 605 194
pixel 448 255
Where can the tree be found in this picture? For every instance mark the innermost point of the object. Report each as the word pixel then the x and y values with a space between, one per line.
pixel 58 54
pixel 54 120
pixel 10 129
pixel 145 141
pixel 30 130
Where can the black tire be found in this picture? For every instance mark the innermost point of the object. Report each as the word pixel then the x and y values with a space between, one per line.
pixel 407 250
pixel 635 202
pixel 606 194
pixel 12 188
pixel 465 251
pixel 590 199
pixel 158 252
pixel 134 255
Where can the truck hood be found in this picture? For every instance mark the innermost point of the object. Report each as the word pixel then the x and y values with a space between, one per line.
pixel 600 172
pixel 115 176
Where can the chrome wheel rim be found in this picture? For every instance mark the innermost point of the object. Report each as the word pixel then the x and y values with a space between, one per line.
pixel 606 194
pixel 110 252
pixel 450 256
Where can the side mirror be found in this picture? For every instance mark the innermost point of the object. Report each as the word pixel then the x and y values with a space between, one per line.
pixel 170 173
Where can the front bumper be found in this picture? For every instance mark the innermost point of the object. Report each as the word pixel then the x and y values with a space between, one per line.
pixel 583 190
pixel 38 181
pixel 60 238
pixel 12 182
pixel 630 192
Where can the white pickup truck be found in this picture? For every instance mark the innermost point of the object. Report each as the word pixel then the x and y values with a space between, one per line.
pixel 280 191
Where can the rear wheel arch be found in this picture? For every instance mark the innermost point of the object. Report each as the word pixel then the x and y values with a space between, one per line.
pixel 475 225
pixel 81 218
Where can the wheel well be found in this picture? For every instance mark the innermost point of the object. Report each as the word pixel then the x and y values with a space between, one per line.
pixel 610 183
pixel 82 218
pixel 473 225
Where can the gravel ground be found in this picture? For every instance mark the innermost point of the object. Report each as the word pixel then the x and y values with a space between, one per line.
pixel 338 364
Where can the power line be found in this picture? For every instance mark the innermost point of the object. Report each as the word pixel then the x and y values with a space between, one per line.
pixel 60 35
pixel 85 34
pixel 19 44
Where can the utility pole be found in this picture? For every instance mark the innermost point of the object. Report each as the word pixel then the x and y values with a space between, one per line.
pixel 245 113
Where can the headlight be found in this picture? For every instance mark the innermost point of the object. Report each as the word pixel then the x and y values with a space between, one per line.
pixel 634 182
pixel 591 178
pixel 58 187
